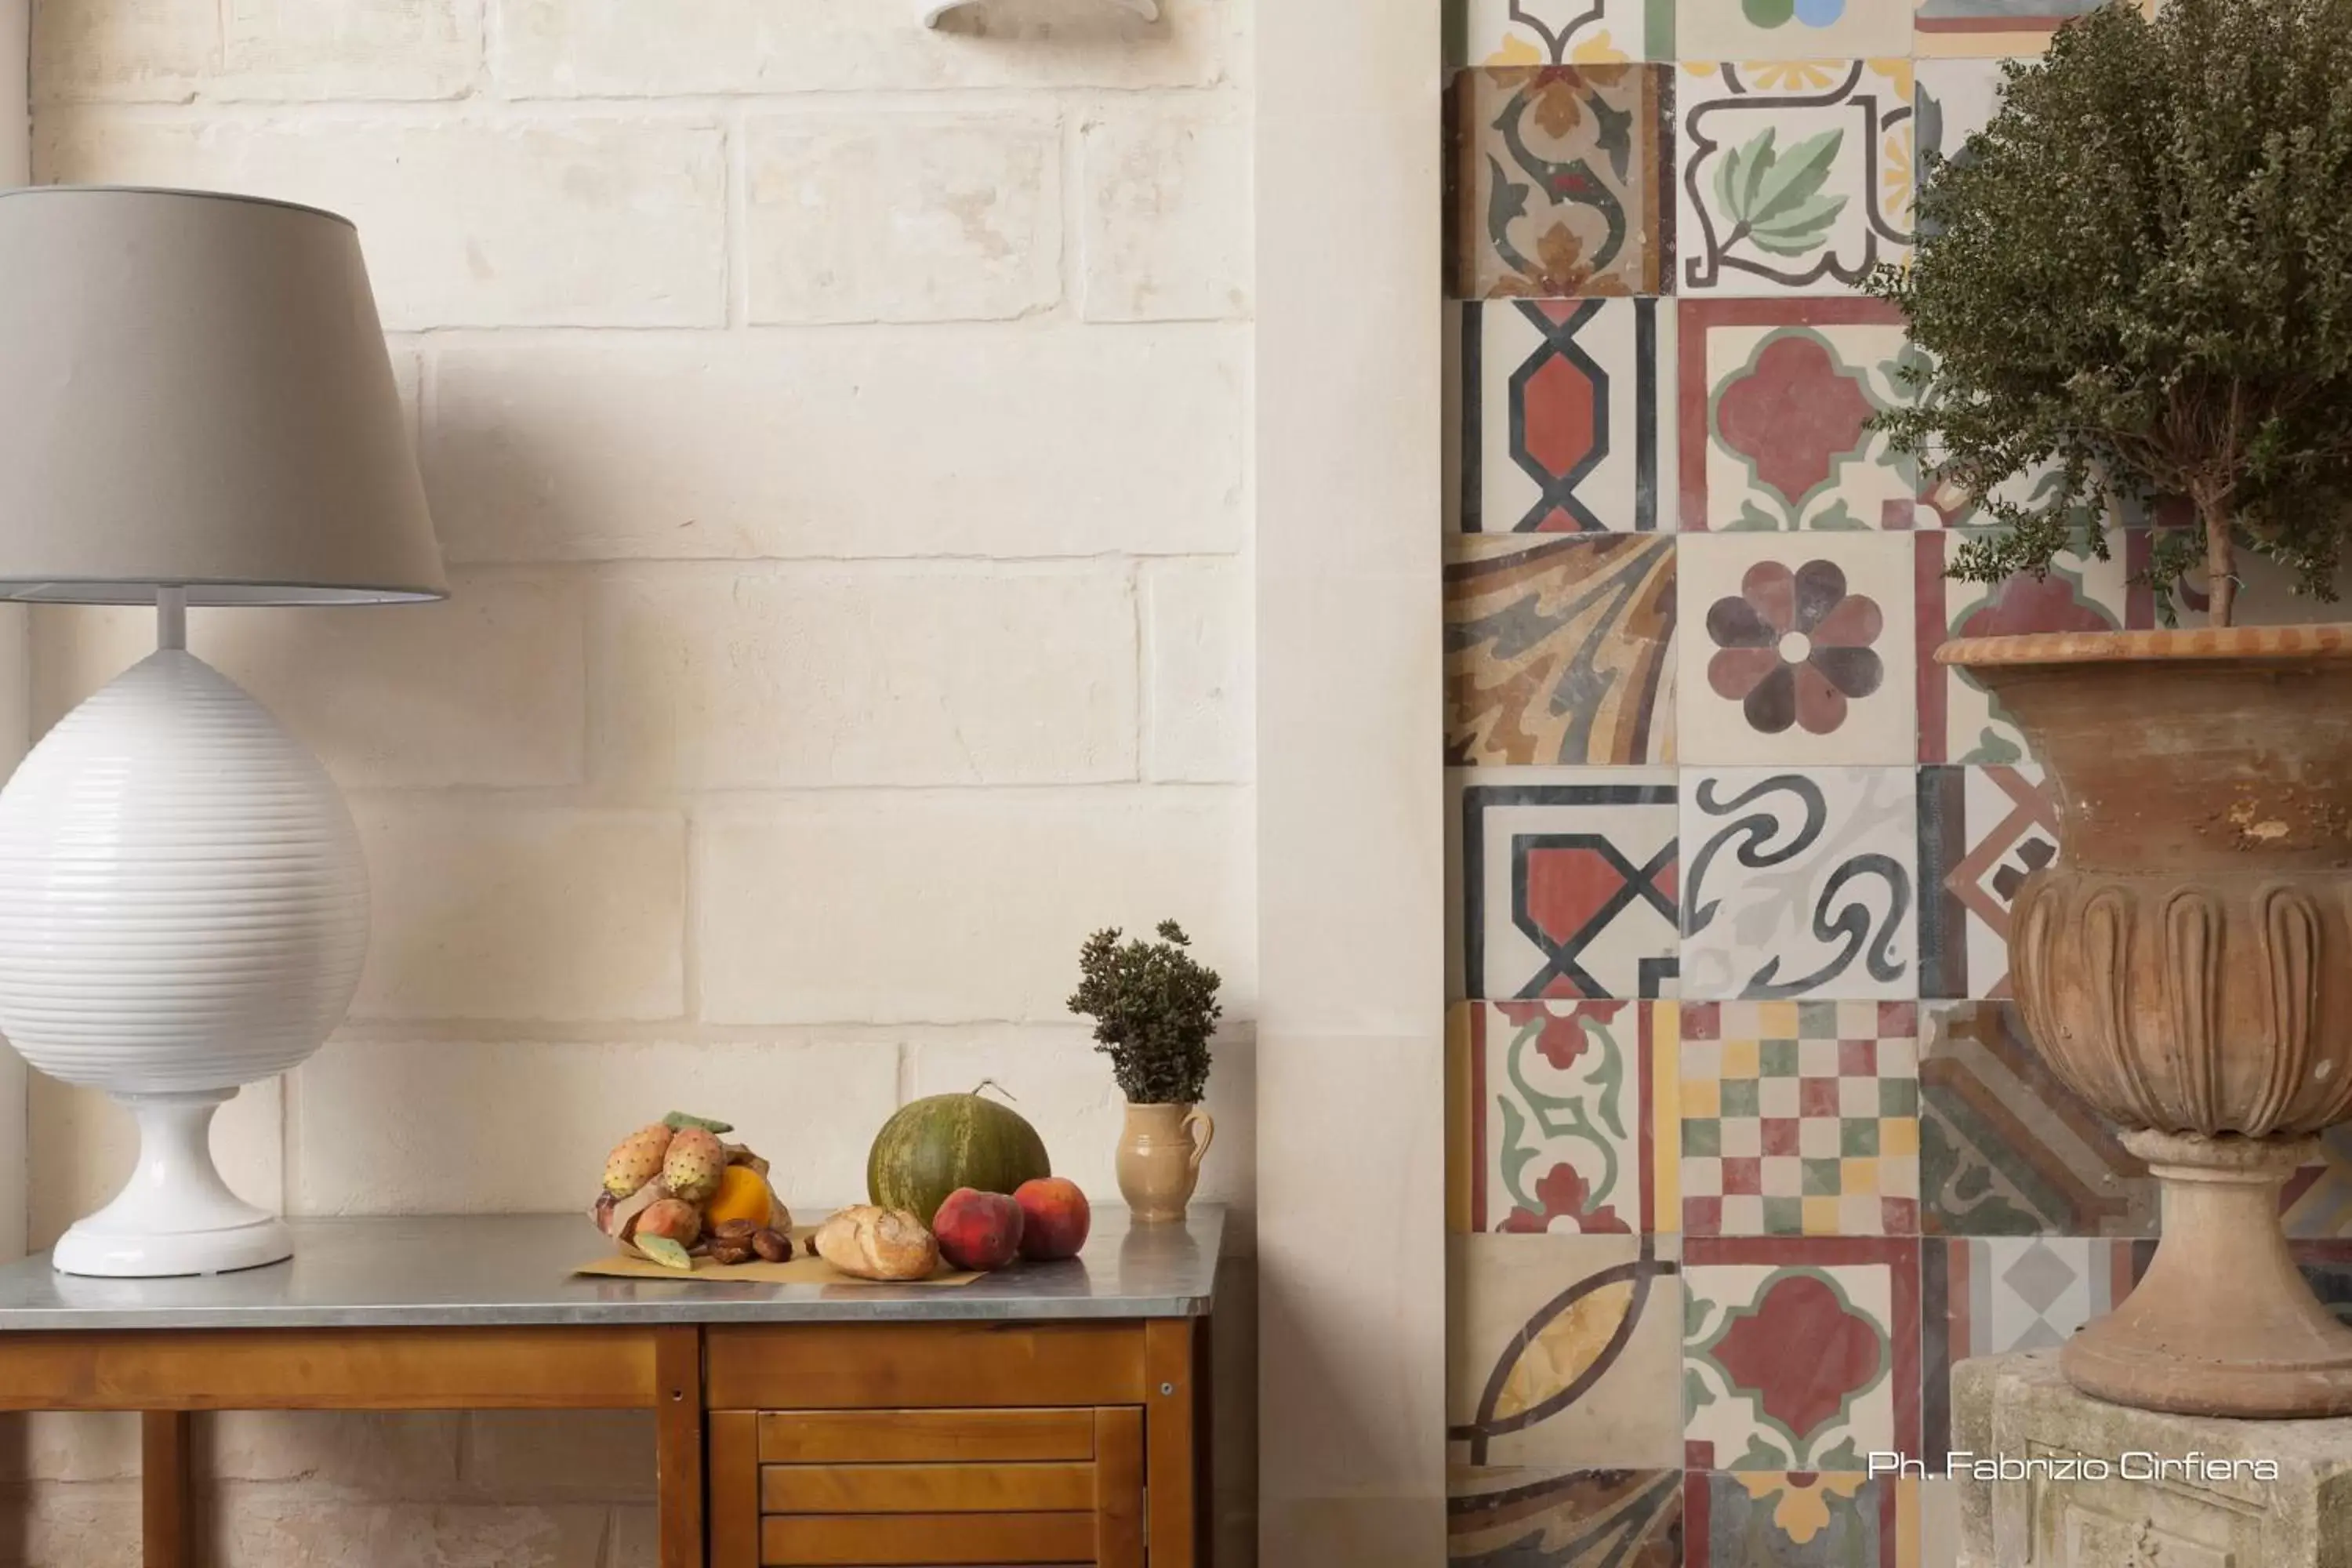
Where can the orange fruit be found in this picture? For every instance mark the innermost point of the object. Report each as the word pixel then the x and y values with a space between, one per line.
pixel 742 1194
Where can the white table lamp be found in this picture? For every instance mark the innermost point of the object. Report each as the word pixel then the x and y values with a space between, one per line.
pixel 196 408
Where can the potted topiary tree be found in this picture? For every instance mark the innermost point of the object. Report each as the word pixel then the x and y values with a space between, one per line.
pixel 2134 289
pixel 1154 1008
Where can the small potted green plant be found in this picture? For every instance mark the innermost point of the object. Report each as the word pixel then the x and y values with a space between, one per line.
pixel 2134 289
pixel 1154 1008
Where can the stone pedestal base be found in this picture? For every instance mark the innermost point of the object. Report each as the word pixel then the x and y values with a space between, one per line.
pixel 2223 1323
pixel 2179 1491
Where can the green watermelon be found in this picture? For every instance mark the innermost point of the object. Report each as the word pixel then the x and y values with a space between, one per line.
pixel 949 1140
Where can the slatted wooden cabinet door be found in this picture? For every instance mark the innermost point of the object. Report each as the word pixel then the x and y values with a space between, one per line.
pixel 927 1488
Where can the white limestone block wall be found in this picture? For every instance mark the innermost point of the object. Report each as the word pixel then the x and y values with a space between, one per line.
pixel 16 673
pixel 839 435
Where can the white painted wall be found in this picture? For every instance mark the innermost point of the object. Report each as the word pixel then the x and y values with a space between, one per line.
pixel 15 677
pixel 839 435
pixel 1351 858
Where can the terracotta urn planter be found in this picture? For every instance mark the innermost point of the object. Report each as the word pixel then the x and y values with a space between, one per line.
pixel 1160 1159
pixel 2185 965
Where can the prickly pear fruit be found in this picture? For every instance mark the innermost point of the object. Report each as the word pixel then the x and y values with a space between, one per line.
pixel 671 1219
pixel 678 1121
pixel 666 1252
pixel 637 1160
pixel 692 1167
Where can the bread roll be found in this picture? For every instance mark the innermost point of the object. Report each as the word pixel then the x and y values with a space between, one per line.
pixel 877 1244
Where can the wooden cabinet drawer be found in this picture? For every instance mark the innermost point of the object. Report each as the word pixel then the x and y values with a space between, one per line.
pixel 925 1540
pixel 909 1367
pixel 872 1437
pixel 941 1489
pixel 1022 1487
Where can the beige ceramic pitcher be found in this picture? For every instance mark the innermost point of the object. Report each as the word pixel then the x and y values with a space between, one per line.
pixel 1160 1159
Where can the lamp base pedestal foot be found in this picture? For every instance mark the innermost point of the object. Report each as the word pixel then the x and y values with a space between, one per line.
pixel 175 1215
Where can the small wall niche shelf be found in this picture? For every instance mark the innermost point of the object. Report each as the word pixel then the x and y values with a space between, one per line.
pixel 934 11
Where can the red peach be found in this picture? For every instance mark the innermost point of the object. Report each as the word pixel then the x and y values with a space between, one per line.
pixel 978 1230
pixel 1056 1217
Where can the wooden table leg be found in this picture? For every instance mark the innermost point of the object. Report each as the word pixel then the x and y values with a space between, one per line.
pixel 166 1503
pixel 734 1488
pixel 1171 1486
pixel 677 1359
pixel 1118 1486
pixel 1204 1445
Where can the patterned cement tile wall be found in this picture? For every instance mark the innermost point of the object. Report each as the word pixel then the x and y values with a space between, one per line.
pixel 1746 1145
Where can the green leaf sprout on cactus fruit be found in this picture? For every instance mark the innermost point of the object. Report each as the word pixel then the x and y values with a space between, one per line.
pixel 2134 289
pixel 1154 1008
pixel 678 1121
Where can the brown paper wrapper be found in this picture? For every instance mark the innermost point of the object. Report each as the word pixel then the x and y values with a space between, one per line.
pixel 804 1269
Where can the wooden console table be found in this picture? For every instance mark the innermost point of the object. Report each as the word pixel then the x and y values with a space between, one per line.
pixel 1049 1414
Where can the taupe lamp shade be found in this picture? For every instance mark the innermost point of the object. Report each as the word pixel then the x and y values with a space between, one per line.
pixel 195 392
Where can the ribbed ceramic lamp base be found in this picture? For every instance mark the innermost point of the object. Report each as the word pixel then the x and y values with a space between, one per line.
pixel 175 1215
pixel 183 909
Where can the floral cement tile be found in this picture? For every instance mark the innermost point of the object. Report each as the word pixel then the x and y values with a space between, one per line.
pixel 1960 721
pixel 1567 883
pixel 1951 100
pixel 1796 174
pixel 1503 1517
pixel 1559 1350
pixel 1565 425
pixel 1560 649
pixel 1991 1294
pixel 1800 1352
pixel 1982 831
pixel 2267 594
pixel 1800 649
pixel 2006 1150
pixel 1991 27
pixel 1767 1518
pixel 2317 1201
pixel 1774 402
pixel 1800 1119
pixel 1799 884
pixel 1568 1119
pixel 1558 32
pixel 1558 179
pixel 1796 29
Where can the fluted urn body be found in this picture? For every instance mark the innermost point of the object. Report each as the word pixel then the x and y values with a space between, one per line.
pixel 2185 965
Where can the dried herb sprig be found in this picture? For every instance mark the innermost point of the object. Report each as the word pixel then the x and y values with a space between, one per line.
pixel 1154 1008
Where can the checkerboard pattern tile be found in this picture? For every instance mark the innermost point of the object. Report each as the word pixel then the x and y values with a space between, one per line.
pixel 1800 1119
pixel 1731 853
